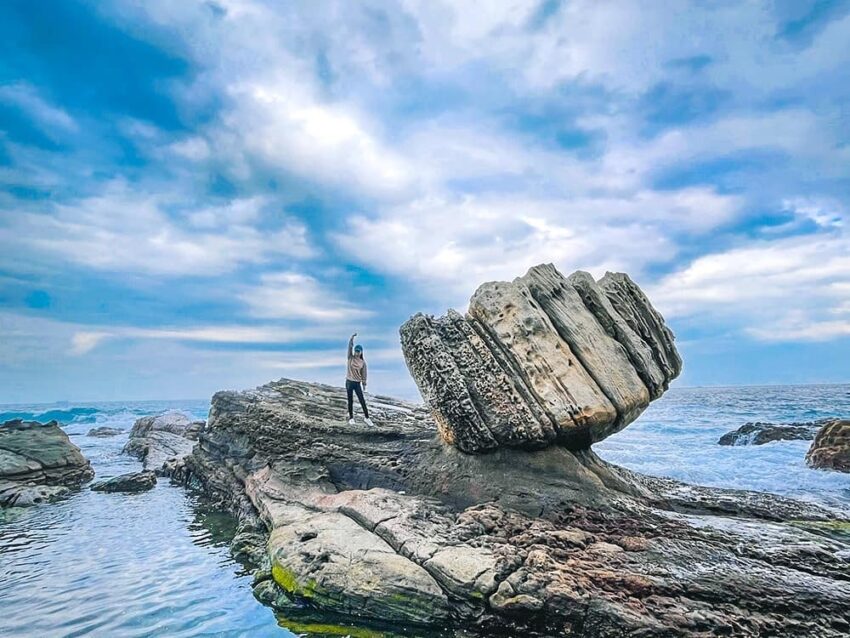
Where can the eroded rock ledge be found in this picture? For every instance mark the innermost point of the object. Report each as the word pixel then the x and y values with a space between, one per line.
pixel 495 514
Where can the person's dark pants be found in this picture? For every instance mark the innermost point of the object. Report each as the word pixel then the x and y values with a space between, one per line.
pixel 350 388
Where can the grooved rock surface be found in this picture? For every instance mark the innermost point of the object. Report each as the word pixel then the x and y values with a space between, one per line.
pixel 161 438
pixel 831 448
pixel 38 463
pixel 542 359
pixel 391 524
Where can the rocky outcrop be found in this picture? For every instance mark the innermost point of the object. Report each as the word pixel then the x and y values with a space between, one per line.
pixel 104 431
pixel 759 433
pixel 831 448
pixel 490 511
pixel 133 482
pixel 166 437
pixel 540 360
pixel 392 524
pixel 38 463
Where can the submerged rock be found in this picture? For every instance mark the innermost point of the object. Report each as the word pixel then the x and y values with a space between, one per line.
pixel 38 463
pixel 133 482
pixel 156 439
pixel 541 359
pixel 831 448
pixel 104 431
pixel 759 433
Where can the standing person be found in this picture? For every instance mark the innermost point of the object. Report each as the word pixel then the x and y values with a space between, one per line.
pixel 355 380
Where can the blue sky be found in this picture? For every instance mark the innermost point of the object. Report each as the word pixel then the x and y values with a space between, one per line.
pixel 205 195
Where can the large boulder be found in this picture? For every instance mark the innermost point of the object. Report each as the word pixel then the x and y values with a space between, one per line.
pixel 156 439
pixel 541 359
pixel 831 448
pixel 133 482
pixel 38 463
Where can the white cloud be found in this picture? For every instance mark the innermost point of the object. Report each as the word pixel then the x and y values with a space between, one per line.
pixel 288 127
pixel 84 342
pixel 124 230
pixel 193 148
pixel 785 289
pixel 801 328
pixel 824 213
pixel 292 295
pixel 26 97
pixel 450 245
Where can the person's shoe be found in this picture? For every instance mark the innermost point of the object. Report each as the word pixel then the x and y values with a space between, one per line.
pixel 369 422
pixel 351 422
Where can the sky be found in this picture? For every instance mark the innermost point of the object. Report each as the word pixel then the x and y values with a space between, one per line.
pixel 206 195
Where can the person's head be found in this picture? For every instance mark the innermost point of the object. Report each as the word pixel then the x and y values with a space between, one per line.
pixel 358 351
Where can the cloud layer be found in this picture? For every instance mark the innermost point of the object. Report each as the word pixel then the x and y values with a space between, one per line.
pixel 257 177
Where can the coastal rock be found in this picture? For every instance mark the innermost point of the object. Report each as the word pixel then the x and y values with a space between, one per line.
pixel 163 437
pixel 540 360
pixel 489 510
pixel 831 448
pixel 759 433
pixel 38 463
pixel 104 431
pixel 391 524
pixel 133 482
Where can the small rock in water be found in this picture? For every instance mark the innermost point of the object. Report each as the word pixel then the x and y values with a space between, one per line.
pixel 831 448
pixel 759 433
pixel 133 482
pixel 103 431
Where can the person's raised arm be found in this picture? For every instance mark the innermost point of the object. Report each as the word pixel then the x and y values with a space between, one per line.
pixel 351 346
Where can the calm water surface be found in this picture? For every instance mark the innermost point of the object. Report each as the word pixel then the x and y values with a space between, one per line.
pixel 96 564
pixel 157 563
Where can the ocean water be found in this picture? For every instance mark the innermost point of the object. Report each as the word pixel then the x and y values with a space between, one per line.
pixel 157 563
pixel 677 437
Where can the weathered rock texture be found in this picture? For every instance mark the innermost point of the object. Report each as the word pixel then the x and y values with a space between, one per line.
pixel 537 536
pixel 831 448
pixel 759 433
pixel 166 437
pixel 38 463
pixel 540 360
pixel 104 431
pixel 391 524
pixel 133 482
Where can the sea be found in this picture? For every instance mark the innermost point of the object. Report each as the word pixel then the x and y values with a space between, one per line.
pixel 158 564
